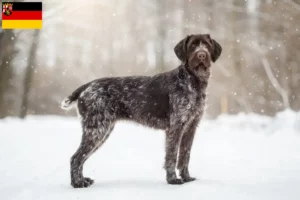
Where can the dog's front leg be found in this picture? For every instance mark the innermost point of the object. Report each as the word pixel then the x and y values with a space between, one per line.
pixel 172 144
pixel 185 150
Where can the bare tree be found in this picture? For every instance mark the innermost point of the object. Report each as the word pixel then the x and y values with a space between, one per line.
pixel 29 74
pixel 161 27
pixel 275 83
pixel 6 71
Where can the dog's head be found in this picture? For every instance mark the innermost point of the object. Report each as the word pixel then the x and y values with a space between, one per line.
pixel 198 51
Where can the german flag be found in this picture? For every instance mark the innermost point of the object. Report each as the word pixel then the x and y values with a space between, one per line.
pixel 21 15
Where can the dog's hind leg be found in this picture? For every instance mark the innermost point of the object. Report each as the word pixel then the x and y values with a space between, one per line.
pixel 95 132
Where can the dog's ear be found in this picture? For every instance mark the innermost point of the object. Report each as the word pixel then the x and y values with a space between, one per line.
pixel 181 49
pixel 217 50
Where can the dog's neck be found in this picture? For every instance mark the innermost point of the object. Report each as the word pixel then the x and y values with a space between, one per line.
pixel 198 78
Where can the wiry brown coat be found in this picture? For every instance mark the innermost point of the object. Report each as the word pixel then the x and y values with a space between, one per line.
pixel 173 101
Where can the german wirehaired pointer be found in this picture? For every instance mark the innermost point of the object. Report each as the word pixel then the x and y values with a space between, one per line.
pixel 173 101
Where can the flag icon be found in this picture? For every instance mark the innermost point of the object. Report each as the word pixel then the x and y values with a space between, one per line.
pixel 22 15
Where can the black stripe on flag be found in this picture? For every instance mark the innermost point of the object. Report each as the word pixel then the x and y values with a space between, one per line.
pixel 25 6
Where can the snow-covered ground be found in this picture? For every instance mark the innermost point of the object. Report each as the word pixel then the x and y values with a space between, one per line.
pixel 233 157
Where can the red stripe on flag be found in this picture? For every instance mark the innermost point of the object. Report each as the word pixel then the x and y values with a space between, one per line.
pixel 19 15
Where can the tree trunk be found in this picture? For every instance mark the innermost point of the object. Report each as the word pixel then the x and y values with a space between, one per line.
pixel 160 45
pixel 6 72
pixel 29 74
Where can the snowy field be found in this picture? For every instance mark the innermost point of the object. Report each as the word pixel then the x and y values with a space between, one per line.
pixel 233 157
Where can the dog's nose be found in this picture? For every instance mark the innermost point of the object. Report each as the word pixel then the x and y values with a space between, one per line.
pixel 201 55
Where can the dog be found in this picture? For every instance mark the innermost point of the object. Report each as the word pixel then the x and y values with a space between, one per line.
pixel 173 101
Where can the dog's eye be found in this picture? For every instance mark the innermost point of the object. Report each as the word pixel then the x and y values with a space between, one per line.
pixel 195 43
pixel 204 43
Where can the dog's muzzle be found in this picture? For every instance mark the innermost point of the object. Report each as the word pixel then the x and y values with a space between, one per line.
pixel 201 55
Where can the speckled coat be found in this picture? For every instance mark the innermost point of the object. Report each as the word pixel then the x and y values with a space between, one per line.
pixel 173 101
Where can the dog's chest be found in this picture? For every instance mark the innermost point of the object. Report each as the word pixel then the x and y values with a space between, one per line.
pixel 196 100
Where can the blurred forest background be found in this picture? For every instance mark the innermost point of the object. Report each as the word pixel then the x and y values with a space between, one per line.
pixel 259 70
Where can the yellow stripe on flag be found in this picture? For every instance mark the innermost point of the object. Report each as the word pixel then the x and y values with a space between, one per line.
pixel 22 24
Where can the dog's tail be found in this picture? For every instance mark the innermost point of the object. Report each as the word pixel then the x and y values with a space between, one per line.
pixel 68 102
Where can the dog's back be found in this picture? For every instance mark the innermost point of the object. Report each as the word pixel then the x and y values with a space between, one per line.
pixel 142 99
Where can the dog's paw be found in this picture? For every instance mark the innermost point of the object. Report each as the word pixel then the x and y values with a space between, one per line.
pixel 188 179
pixel 83 183
pixel 175 181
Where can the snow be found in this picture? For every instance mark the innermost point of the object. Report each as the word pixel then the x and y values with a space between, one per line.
pixel 233 157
